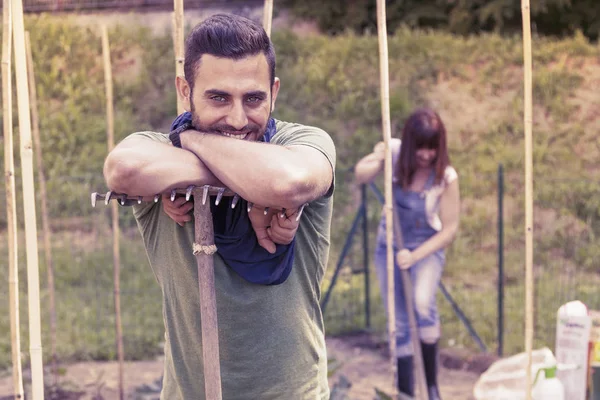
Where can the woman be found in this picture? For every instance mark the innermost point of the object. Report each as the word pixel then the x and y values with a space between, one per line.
pixel 426 198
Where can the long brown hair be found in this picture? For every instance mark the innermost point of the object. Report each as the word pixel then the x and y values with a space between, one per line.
pixel 423 129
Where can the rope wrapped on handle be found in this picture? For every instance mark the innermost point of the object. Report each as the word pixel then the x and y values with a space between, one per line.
pixel 206 249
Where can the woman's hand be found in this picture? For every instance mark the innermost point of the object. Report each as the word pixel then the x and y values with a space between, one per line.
pixel 367 168
pixel 379 150
pixel 404 259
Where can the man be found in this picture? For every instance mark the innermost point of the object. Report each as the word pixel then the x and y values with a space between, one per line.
pixel 271 333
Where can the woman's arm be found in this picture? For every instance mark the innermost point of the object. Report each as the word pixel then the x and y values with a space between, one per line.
pixel 450 216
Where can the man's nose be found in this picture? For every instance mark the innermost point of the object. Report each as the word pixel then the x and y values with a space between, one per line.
pixel 237 117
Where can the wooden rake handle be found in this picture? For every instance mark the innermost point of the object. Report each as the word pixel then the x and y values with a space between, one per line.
pixel 204 248
pixel 418 366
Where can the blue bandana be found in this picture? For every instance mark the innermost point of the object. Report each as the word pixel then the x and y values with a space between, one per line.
pixel 235 239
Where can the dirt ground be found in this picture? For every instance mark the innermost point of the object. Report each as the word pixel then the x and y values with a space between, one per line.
pixel 357 359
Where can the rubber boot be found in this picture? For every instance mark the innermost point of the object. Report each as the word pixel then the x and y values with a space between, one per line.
pixel 406 379
pixel 430 363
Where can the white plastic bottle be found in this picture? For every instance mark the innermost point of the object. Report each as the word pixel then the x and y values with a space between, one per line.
pixel 549 387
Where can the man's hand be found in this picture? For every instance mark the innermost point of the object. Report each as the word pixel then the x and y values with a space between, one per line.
pixel 179 209
pixel 270 229
pixel 273 228
pixel 260 223
pixel 283 226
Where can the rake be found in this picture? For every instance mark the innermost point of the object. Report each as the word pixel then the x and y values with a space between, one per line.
pixel 204 247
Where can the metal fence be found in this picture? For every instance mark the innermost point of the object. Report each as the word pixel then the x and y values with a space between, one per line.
pixel 482 294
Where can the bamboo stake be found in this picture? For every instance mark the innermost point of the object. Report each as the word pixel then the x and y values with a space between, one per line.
pixel 11 209
pixel 268 16
pixel 393 224
pixel 528 122
pixel 115 208
pixel 44 199
pixel 388 208
pixel 178 45
pixel 33 273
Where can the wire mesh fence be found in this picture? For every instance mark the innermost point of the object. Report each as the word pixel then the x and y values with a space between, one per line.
pixel 482 302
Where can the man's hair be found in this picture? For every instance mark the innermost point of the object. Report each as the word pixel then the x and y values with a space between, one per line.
pixel 226 36
pixel 423 129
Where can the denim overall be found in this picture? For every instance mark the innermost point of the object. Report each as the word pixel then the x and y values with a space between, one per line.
pixel 425 274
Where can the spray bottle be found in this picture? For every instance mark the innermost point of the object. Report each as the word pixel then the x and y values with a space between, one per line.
pixel 549 388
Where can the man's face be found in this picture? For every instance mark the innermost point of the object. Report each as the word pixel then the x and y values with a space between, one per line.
pixel 231 97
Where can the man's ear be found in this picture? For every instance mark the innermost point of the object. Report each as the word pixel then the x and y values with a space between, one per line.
pixel 274 92
pixel 183 92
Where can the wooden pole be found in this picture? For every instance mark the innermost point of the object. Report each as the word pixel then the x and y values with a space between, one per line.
pixel 204 237
pixel 528 122
pixel 388 208
pixel 178 45
pixel 44 199
pixel 33 273
pixel 419 369
pixel 115 208
pixel 393 223
pixel 11 202
pixel 268 16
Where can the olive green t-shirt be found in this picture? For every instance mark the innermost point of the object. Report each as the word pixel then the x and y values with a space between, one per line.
pixel 271 338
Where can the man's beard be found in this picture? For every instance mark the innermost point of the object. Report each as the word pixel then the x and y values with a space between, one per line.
pixel 252 129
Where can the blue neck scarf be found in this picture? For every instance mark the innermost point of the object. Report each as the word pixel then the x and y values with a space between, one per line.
pixel 235 239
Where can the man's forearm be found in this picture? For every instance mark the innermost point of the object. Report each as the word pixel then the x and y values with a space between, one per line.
pixel 146 168
pixel 262 173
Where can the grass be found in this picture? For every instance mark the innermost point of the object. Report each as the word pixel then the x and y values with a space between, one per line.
pixel 477 296
pixel 564 247
pixel 85 302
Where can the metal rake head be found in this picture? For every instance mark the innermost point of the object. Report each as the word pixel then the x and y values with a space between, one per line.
pixel 219 192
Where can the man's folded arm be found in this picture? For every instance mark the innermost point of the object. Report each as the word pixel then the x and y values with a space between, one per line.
pixel 140 166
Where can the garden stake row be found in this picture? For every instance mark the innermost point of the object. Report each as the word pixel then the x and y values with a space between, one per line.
pixel 29 207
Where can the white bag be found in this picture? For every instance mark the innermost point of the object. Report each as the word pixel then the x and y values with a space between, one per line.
pixel 506 378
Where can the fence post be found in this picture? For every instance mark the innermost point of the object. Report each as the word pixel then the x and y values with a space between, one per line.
pixel 340 262
pixel 500 260
pixel 363 195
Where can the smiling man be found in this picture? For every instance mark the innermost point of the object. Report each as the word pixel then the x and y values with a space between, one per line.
pixel 271 334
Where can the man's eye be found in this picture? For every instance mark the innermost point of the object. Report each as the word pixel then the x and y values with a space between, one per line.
pixel 218 98
pixel 254 99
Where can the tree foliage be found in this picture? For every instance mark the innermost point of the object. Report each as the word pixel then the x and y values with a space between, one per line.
pixel 549 17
